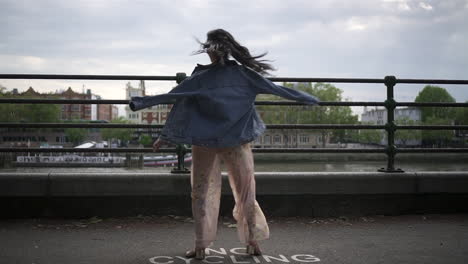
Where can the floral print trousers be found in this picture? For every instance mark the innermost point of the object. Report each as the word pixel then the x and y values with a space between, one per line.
pixel 206 193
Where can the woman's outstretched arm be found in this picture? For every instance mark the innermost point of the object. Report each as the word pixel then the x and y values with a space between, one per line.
pixel 265 86
pixel 188 87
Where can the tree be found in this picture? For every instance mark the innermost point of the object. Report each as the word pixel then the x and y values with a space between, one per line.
pixel 436 115
pixel 312 114
pixel 370 136
pixel 40 113
pixel 461 118
pixel 122 134
pixel 461 115
pixel 31 113
pixel 405 135
pixel 433 94
pixel 76 135
pixel 146 140
pixel 437 137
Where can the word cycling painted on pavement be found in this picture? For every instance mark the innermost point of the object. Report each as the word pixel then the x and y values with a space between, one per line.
pixel 235 255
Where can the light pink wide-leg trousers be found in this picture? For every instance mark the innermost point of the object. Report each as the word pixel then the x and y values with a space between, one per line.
pixel 206 193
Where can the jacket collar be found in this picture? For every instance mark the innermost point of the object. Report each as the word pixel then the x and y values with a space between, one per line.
pixel 207 66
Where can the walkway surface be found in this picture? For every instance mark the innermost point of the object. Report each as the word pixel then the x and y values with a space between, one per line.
pixel 163 239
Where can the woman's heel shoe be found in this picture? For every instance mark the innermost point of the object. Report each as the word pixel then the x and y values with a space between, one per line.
pixel 197 254
pixel 253 250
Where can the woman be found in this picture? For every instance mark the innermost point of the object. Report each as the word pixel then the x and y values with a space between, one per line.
pixel 214 111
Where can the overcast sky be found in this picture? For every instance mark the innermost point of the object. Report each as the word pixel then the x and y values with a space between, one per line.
pixel 319 38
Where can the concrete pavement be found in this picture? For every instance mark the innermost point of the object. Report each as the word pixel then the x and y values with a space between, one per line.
pixel 163 239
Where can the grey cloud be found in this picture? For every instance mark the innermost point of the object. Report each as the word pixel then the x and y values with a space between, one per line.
pixel 304 38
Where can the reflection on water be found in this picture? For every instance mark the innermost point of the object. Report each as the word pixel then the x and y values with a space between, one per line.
pixel 353 166
pixel 307 166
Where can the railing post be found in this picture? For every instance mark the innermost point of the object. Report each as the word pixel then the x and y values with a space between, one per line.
pixel 390 127
pixel 181 149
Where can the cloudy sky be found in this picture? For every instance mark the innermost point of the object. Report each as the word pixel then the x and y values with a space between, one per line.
pixel 319 38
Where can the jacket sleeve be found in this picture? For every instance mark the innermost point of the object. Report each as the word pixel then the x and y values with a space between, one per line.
pixel 265 86
pixel 186 88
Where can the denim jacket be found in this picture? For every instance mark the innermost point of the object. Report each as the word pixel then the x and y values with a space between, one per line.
pixel 214 107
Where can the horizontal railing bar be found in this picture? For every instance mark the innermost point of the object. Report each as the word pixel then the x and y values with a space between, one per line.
pixel 432 104
pixel 90 150
pixel 149 150
pixel 60 101
pixel 107 125
pixel 85 101
pixel 76 125
pixel 431 81
pixel 256 150
pixel 431 150
pixel 174 78
pixel 87 77
pixel 323 103
pixel 359 150
pixel 282 103
pixel 324 126
pixel 367 80
pixel 433 127
pixel 318 150
pixel 279 126
pixel 328 80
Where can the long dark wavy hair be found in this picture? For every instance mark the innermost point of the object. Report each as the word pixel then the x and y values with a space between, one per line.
pixel 222 45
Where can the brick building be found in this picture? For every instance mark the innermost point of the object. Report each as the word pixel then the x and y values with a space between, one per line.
pixel 58 136
pixel 105 112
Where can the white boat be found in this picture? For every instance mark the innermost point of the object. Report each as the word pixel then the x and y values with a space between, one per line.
pixel 164 160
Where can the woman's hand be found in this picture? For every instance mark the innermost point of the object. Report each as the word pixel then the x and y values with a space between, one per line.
pixel 157 144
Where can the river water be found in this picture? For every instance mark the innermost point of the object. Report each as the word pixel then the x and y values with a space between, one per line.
pixel 301 163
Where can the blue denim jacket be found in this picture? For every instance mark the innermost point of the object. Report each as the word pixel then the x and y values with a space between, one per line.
pixel 214 107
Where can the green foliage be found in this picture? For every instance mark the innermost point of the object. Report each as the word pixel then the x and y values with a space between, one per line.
pixel 30 113
pixel 76 135
pixel 436 115
pixel 461 118
pixel 146 140
pixel 437 137
pixel 461 115
pixel 311 114
pixel 33 113
pixel 431 94
pixel 369 136
pixel 123 134
pixel 405 135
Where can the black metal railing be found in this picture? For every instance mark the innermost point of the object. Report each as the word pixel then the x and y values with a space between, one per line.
pixel 390 127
